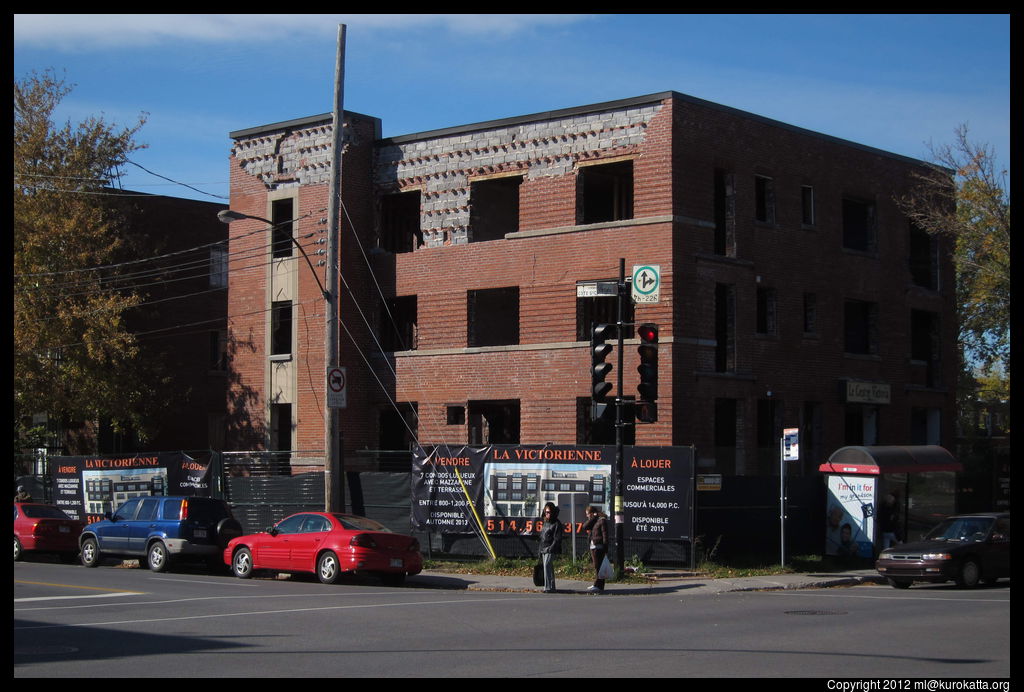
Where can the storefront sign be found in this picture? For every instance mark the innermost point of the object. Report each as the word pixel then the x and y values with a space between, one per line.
pixel 860 392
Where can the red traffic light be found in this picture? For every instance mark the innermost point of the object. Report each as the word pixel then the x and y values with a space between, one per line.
pixel 648 333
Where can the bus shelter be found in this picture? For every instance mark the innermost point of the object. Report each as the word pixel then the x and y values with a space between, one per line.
pixel 881 495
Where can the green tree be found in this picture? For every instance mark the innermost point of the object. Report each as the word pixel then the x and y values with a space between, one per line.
pixel 964 198
pixel 74 356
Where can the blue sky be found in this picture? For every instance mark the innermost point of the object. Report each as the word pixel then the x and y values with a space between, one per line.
pixel 896 82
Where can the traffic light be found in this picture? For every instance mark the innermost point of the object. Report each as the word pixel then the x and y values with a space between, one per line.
pixel 600 349
pixel 646 408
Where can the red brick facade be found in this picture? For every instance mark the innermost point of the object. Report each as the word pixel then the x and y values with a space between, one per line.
pixel 787 297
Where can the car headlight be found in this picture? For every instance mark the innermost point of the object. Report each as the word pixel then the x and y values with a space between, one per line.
pixel 936 556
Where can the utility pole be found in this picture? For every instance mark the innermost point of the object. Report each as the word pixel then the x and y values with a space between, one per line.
pixel 334 463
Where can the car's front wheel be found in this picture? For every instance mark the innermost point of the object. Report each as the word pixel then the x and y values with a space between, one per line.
pixel 157 557
pixel 327 568
pixel 969 574
pixel 90 553
pixel 241 563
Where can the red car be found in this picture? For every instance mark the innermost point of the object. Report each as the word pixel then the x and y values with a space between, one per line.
pixel 328 545
pixel 45 529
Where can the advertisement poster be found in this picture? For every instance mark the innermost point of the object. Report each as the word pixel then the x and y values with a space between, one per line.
pixel 88 486
pixel 502 488
pixel 849 516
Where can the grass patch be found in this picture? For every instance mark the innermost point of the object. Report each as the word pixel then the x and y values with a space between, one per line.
pixel 565 567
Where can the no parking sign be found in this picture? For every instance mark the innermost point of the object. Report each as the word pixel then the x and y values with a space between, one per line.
pixel 337 388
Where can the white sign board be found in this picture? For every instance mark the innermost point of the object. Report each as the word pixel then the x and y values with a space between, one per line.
pixel 646 283
pixel 337 388
pixel 791 444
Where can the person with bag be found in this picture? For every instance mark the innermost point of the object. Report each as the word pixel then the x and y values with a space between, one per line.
pixel 597 525
pixel 550 544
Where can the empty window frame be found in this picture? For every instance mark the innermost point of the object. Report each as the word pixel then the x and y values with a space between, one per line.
pixel 594 310
pixel 605 192
pixel 924 343
pixel 398 330
pixel 400 221
pixel 494 208
pixel 860 326
pixel 725 213
pixel 764 199
pixel 924 258
pixel 218 350
pixel 398 425
pixel 280 427
pixel 218 267
pixel 281 328
pixel 810 313
pixel 859 225
pixel 282 214
pixel 493 317
pixel 765 310
pixel 494 422
pixel 806 205
pixel 725 328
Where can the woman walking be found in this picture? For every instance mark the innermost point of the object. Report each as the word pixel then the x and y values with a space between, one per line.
pixel 597 525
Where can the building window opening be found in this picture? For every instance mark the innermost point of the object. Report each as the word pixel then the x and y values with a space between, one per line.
pixel 398 324
pixel 725 214
pixel 398 426
pixel 593 310
pixel 455 414
pixel 280 427
pixel 807 205
pixel 400 222
pixel 606 192
pixel 494 208
pixel 860 324
pixel 924 344
pixel 725 328
pixel 282 214
pixel 493 422
pixel 493 317
pixel 281 328
pixel 726 426
pixel 924 258
pixel 765 310
pixel 858 225
pixel 810 313
pixel 764 199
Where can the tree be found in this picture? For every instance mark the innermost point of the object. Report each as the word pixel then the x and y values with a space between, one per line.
pixel 74 357
pixel 964 198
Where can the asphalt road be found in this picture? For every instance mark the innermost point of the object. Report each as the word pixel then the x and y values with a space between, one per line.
pixel 70 621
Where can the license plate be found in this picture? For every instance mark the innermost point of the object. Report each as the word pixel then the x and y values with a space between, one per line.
pixel 64 529
pixel 396 562
pixel 199 533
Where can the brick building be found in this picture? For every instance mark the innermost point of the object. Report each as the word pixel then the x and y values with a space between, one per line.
pixel 793 292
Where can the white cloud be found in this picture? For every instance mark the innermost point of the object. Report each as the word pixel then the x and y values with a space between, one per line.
pixel 87 32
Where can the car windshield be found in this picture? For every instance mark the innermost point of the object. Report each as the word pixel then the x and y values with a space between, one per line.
pixel 961 529
pixel 354 523
pixel 43 512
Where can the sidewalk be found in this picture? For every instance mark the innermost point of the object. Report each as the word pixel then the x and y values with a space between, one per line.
pixel 661 581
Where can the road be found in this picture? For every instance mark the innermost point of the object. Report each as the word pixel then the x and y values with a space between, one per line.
pixel 70 621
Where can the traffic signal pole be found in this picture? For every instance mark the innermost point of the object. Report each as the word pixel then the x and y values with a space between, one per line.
pixel 620 519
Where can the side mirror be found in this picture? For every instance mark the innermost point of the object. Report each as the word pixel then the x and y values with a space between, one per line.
pixel 109 516
pixel 272 530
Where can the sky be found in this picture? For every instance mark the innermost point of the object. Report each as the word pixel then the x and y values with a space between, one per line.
pixel 896 82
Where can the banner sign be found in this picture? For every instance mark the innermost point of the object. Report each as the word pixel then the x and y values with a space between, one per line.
pixel 502 488
pixel 85 487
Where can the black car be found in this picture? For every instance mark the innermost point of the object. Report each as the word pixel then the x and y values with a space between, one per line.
pixel 967 549
pixel 160 530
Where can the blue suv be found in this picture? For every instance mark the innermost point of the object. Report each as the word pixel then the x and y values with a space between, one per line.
pixel 161 530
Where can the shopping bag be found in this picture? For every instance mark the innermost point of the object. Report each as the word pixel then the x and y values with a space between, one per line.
pixel 538 574
pixel 605 571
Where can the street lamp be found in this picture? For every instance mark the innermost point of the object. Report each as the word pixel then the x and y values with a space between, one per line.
pixel 229 215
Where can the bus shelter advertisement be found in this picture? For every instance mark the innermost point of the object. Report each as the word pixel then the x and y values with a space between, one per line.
pixel 86 487
pixel 503 488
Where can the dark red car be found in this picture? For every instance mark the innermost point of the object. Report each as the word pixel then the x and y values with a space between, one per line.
pixel 45 529
pixel 966 548
pixel 328 545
